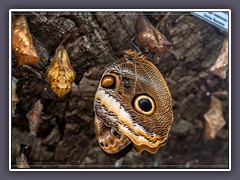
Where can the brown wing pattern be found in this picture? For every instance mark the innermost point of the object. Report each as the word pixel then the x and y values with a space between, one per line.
pixel 139 101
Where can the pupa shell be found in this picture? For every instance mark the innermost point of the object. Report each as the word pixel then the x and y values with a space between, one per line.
pixel 22 42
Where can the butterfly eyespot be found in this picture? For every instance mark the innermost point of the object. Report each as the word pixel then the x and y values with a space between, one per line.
pixel 144 104
pixel 114 132
pixel 108 82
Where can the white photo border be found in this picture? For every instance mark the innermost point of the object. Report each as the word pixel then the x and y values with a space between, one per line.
pixel 117 10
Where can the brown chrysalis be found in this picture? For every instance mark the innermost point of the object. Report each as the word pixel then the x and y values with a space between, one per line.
pixel 150 38
pixel 60 73
pixel 22 42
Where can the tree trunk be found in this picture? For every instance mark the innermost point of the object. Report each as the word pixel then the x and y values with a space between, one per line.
pixel 66 138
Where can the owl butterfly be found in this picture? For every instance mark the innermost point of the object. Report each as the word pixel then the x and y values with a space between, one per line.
pixel 150 38
pixel 22 42
pixel 60 73
pixel 133 108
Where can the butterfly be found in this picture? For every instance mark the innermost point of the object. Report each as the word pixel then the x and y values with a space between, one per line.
pixel 133 107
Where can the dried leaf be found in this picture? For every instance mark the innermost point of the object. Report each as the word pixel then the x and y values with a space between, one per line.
pixel 34 117
pixel 214 120
pixel 15 98
pixel 21 162
pixel 221 65
pixel 22 42
pixel 60 74
pixel 150 38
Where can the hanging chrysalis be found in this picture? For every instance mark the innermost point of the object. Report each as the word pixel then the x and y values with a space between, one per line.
pixel 60 74
pixel 22 42
pixel 150 38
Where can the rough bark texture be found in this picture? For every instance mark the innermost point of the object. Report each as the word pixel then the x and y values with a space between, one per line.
pixel 66 137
